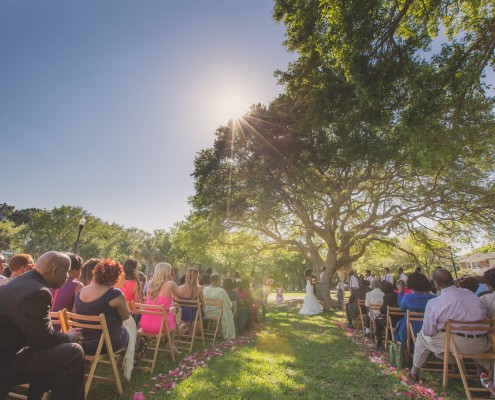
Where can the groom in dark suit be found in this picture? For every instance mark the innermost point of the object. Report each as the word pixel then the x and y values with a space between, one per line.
pixel 31 351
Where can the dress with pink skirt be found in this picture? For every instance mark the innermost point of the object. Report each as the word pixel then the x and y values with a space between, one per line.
pixel 152 323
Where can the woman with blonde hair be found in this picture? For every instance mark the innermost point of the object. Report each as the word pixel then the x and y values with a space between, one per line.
pixel 160 291
pixel 191 290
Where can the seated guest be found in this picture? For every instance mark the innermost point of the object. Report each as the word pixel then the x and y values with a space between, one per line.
pixel 215 292
pixel 190 290
pixel 389 300
pixel 469 283
pixel 244 304
pixel 100 297
pixel 456 304
pixel 65 295
pixel 401 285
pixel 483 287
pixel 160 291
pixel 489 299
pixel 132 285
pixel 31 350
pixel 2 267
pixel 416 301
pixel 19 264
pixel 352 305
pixel 374 297
pixel 87 271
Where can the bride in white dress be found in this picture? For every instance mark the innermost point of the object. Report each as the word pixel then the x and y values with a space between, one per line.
pixel 311 305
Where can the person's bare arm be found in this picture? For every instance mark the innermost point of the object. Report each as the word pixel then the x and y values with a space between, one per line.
pixel 201 297
pixel 120 306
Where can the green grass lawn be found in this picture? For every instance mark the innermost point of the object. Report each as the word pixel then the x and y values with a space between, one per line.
pixel 293 357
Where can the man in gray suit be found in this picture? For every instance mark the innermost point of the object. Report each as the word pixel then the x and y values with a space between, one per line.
pixel 325 288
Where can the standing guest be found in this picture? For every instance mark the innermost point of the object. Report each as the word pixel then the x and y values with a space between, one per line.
pixel 237 278
pixel 100 297
pixel 402 275
pixel 65 295
pixel 267 287
pixel 280 295
pixel 244 304
pixel 19 264
pixel 389 300
pixel 374 297
pixel 132 285
pixel 252 279
pixel 205 280
pixel 387 277
pixel 215 292
pixel 418 270
pixel 456 304
pixel 370 278
pixel 31 350
pixel 353 281
pixel 340 294
pixel 190 290
pixel 2 266
pixel 416 301
pixel 159 292
pixel 325 288
pixel 87 271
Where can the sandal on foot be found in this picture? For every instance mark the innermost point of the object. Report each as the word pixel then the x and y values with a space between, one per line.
pixel 487 383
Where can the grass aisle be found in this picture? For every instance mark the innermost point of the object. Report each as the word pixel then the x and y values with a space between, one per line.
pixel 294 358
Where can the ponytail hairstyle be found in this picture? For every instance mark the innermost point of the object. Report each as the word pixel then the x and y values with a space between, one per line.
pixel 160 277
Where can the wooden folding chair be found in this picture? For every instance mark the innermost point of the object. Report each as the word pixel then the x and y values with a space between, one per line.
pixel 15 395
pixel 186 340
pixel 213 319
pixel 361 315
pixel 374 310
pixel 389 326
pixel 98 322
pixel 155 339
pixel 234 313
pixel 487 327
pixel 59 319
pixel 431 365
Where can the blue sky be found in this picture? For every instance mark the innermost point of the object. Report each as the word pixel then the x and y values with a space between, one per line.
pixel 105 103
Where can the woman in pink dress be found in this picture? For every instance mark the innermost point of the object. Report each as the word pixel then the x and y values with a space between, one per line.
pixel 160 291
pixel 132 285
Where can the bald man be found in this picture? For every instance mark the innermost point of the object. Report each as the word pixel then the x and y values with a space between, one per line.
pixel 31 351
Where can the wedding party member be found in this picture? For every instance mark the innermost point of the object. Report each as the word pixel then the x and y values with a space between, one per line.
pixel 402 276
pixel 416 301
pixel 367 275
pixel 215 292
pixel 64 296
pixel 311 305
pixel 100 297
pixel 132 285
pixel 19 264
pixel 387 277
pixel 31 350
pixel 325 288
pixel 456 304
pixel 353 281
pixel 160 291
pixel 87 271
pixel 340 294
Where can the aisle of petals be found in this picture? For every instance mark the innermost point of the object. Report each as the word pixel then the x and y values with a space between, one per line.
pixel 411 389
pixel 186 367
